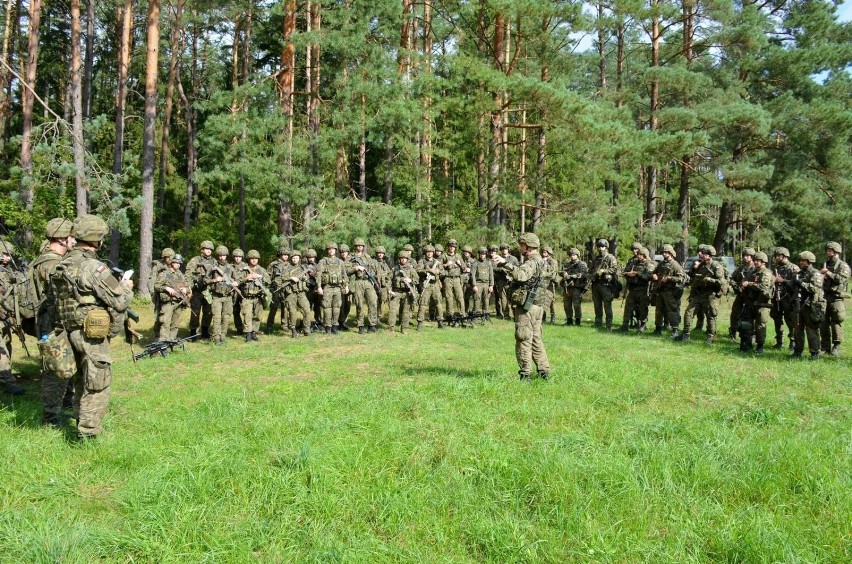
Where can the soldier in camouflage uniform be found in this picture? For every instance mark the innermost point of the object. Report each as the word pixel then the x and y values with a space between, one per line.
pixel 359 268
pixel 92 306
pixel 741 273
pixel 60 241
pixel 8 278
pixel 254 284
pixel 529 346
pixel 552 281
pixel 501 283
pixel 314 297
pixel 574 273
pixel 603 271
pixel 835 275
pixel 332 285
pixel 758 295
pixel 383 276
pixel 222 286
pixel 707 282
pixel 294 288
pixel 783 303
pixel 237 263
pixel 276 270
pixel 403 292
pixel 807 289
pixel 430 269
pixel 666 282
pixel 175 295
pixel 637 273
pixel 482 281
pixel 196 270
pixel 345 299
pixel 453 270
pixel 467 288
pixel 156 267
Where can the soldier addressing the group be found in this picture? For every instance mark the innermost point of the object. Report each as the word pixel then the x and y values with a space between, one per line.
pixel 361 269
pixel 528 310
pixel 254 289
pixel 574 273
pixel 92 306
pixel 783 303
pixel 604 274
pixel 430 269
pixel 332 284
pixel 743 272
pixel 221 288
pixel 201 310
pixel 666 285
pixel 835 275
pixel 707 282
pixel 174 295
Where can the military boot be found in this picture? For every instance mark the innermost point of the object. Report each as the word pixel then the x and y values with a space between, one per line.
pixel 577 321
pixel 779 341
pixel 8 384
pixel 440 325
pixel 328 330
pixel 642 326
pixel 419 325
pixel 372 329
pixel 254 336
pixel 676 335
pixel 524 376
pixel 553 320
pixel 569 321
pixel 835 350
pixel 334 329
pixel 543 375
pixel 293 333
pixel 268 329
pixel 732 333
pixel 681 337
pixel 362 330
pixel 657 331
pixel 623 329
pixel 248 337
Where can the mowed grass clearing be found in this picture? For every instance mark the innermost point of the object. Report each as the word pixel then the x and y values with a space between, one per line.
pixel 425 447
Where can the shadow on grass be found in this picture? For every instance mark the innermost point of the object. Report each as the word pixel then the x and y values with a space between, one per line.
pixel 27 409
pixel 416 371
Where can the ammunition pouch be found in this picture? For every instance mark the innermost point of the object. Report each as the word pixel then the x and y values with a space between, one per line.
pixel 96 324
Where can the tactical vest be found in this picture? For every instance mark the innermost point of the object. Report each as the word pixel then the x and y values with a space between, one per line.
pixel 72 304
pixel 454 271
pixel 333 272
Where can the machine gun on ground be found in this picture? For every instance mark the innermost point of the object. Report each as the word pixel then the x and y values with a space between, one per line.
pixel 163 348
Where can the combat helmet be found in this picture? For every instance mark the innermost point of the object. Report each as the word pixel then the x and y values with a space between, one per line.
pixel 748 251
pixel 295 253
pixel 58 228
pixel 439 248
pixel 467 249
pixel 548 250
pixel 177 258
pixel 168 252
pixel 761 256
pixel 311 253
pixel 331 245
pixel 238 253
pixel 207 245
pixel 452 243
pixel 253 254
pixel 668 249
pixel 530 240
pixel 380 249
pixel 483 250
pixel 221 251
pixel 782 251
pixel 404 254
pixel 574 251
pixel 637 246
pixel 808 256
pixel 90 228
pixel 602 243
pixel 358 241
pixel 344 248
pixel 283 251
pixel 428 249
pixel 834 246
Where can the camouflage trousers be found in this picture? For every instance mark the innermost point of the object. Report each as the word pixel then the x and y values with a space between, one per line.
pixel 251 312
pixel 806 327
pixel 572 303
pixel 758 316
pixel 223 309
pixel 667 309
pixel 331 303
pixel 399 307
pixel 831 329
pixel 169 318
pixel 275 306
pixel 366 303
pixel 736 313
pixel 636 305
pixel 381 301
pixel 784 314
pixel 453 295
pixel 431 295
pixel 92 382
pixel 295 303
pixel 529 346
pixel 201 313
pixel 481 298
pixel 705 303
pixel 237 314
pixel 501 298
pixel 547 299
pixel 345 308
pixel 602 298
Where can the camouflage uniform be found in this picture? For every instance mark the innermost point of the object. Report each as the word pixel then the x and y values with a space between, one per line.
pixel 466 279
pixel 7 309
pixel 707 281
pixel 835 275
pixel 254 294
pixel 574 273
pixel 403 293
pixel 295 295
pixel 276 270
pixel 314 297
pixel 237 263
pixel 529 346
pixel 666 283
pixel 501 284
pixel 86 289
pixel 482 279
pixel 743 272
pixel 383 276
pixel 201 309
pixel 333 284
pixel 172 306
pixel 453 292
pixel 783 303
pixel 604 271
pixel 365 296
pixel 638 275
pixel 758 294
pixel 220 283
pixel 550 276
pixel 808 290
pixel 430 269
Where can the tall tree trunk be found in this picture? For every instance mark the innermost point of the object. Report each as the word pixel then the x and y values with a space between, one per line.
pixel 125 16
pixel 725 216
pixel 362 151
pixel 496 123
pixel 27 100
pixel 426 139
pixel 388 192
pixel 79 148
pixel 89 61
pixel 5 76
pixel 651 175
pixel 601 45
pixel 683 209
pixel 191 151
pixel 285 87
pixel 175 46
pixel 149 124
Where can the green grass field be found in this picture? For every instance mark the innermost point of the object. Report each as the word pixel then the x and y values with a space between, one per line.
pixel 426 447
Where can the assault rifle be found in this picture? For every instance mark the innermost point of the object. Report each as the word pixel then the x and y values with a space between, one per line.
pixel 303 277
pixel 163 348
pixel 217 269
pixel 356 260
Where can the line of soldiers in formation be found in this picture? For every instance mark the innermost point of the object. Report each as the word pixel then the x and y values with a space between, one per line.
pixel 447 285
